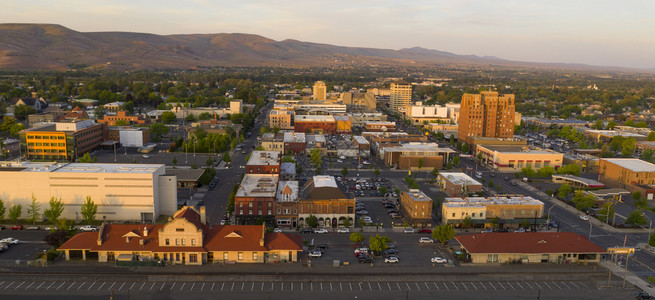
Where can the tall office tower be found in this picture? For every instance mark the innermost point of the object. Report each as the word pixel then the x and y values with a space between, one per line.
pixel 320 91
pixel 401 95
pixel 486 115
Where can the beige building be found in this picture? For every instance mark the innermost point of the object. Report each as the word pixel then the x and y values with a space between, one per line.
pixel 236 106
pixel 366 100
pixel 416 207
pixel 420 114
pixel 282 119
pixel 126 192
pixel 272 142
pixel 400 95
pixel 514 158
pixel 319 91
pixel 627 173
pixel 457 184
pixel 510 210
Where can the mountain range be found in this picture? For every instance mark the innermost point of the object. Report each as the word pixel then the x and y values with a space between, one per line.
pixel 55 47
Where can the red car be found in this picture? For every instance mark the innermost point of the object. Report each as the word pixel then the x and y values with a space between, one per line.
pixel 17 227
pixel 425 230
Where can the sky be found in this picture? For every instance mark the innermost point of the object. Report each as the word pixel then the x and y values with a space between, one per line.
pixel 600 32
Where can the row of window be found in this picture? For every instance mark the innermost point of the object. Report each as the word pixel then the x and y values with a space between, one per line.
pixel 46 137
pixel 259 212
pixel 180 242
pixel 47 144
pixel 47 150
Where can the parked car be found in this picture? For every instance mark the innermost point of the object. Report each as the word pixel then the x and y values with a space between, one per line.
pixel 308 230
pixel 390 252
pixel 520 230
pixel 17 227
pixel 362 212
pixel 438 260
pixel 408 230
pixel 323 246
pixel 584 217
pixel 368 219
pixel 277 230
pixel 361 250
pixel 32 228
pixel 88 228
pixel 315 253
pixel 394 216
pixel 425 230
pixel 365 259
pixel 51 228
pixel 424 240
pixel 10 241
pixel 343 230
pixel 321 230
pixel 487 230
pixel 391 260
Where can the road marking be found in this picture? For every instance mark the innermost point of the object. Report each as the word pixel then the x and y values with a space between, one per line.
pixel 302 286
pixel 510 285
pixel 172 286
pixel 203 286
pixel 484 287
pixel 464 284
pixel 435 285
pixel 213 284
pixel 20 285
pixel 501 285
pixel 1 282
pixel 575 285
pixel 162 286
pixel 418 287
pixel 528 284
pixel 398 284
pixel 72 284
pixel 53 283
pixel 224 285
pixel 333 290
pixel 520 285
pixel 272 287
pixel 492 285
pixel 94 283
pixel 111 286
pixel 340 287
pixel 9 285
pixel 144 284
pixel 475 287
pixel 369 286
pixel 556 285
pixel 183 284
pixel 243 284
pixel 292 285
pixel 232 287
pixel 562 282
pixel 38 287
pixel 192 286
pixel 133 283
pixel 262 286
pixel 538 285
pixel 252 288
pixel 30 285
pixel 103 284
pixel 81 285
pixel 351 286
pixel 582 283
pixel 61 285
pixel 444 284
pixel 408 288
pixel 546 283
pixel 455 285
pixel 121 286
pixel 153 285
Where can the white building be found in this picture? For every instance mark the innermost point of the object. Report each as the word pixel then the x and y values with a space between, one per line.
pixel 126 192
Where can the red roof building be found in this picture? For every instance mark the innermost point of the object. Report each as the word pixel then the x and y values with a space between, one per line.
pixel 530 247
pixel 185 239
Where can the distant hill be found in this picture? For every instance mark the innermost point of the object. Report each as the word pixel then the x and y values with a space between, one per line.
pixel 55 47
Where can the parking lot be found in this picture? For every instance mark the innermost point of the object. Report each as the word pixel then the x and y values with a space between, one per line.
pixel 30 244
pixel 367 192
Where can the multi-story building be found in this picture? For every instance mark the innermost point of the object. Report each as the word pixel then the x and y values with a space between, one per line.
pixel 323 124
pixel 628 173
pixel 62 140
pixel 400 95
pixel 343 124
pixel 416 207
pixel 294 143
pixel 606 136
pixel 322 198
pixel 263 162
pixel 457 184
pixel 364 100
pixel 255 199
pixel 420 114
pixel 316 141
pixel 122 117
pixel 236 106
pixel 486 114
pixel 319 91
pixel 360 119
pixel 286 204
pixel 516 157
pixel 282 119
pixel 129 136
pixel 413 156
pixel 380 126
pixel 186 239
pixel 122 192
pixel 272 142
pixel 510 210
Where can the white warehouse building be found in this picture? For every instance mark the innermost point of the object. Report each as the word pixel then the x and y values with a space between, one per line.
pixel 122 192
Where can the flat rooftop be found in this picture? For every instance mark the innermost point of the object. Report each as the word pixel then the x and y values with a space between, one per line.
pixel 258 185
pixel 418 147
pixel 586 181
pixel 186 174
pixel 459 178
pixel 515 149
pixel 615 133
pixel 80 167
pixel 632 164
pixel 417 195
pixel 264 158
pixel 313 118
pixel 324 181
pixel 294 137
pixel 481 201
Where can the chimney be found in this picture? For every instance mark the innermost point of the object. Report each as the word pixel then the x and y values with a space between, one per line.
pixel 100 232
pixel 145 231
pixel 142 242
pixel 203 215
pixel 261 241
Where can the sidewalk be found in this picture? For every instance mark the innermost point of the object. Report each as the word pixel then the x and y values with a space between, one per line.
pixel 630 277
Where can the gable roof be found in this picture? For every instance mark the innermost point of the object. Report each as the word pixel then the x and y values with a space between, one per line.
pixel 316 189
pixel 190 215
pixel 528 242
pixel 283 241
pixel 234 238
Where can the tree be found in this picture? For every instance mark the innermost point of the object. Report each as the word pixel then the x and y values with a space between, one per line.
pixel 55 210
pixel 56 238
pixel 569 169
pixel 528 172
pixel 420 163
pixel 546 171
pixel 636 196
pixel 15 212
pixel 312 221
pixel 86 158
pixel 456 160
pixel 89 210
pixel 494 222
pixel 606 212
pixel 346 222
pixel 598 125
pixel 158 129
pixel 583 202
pixel 226 157
pixel 344 171
pixel 383 190
pixel 435 172
pixel 33 209
pixel 174 160
pixel 356 237
pixel 525 223
pixel 443 233
pixel 315 157
pixel 168 117
pixel 636 218
pixel 376 171
pixel 3 209
pixel 378 243
pixel 467 222
pixel 647 154
pixel 611 125
pixel 465 148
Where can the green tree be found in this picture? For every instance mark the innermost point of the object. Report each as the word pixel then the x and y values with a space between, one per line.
pixel 528 172
pixel 383 190
pixel 494 222
pixel 606 212
pixel 15 212
pixel 89 210
pixel 376 172
pixel 611 125
pixel 86 158
pixel 55 210
pixel 456 160
pixel 356 237
pixel 344 171
pixel 525 223
pixel 312 221
pixel 467 222
pixel 346 223
pixel 33 209
pixel 3 209
pixel 121 123
pixel 598 125
pixel 168 117
pixel 636 218
pixel 435 172
pixel 378 243
pixel 174 161
pixel 226 157
pixel 420 163
pixel 443 233
pixel 572 169
pixel 315 157
pixel 546 171
pixel 465 148
pixel 647 154
pixel 583 202
pixel 157 130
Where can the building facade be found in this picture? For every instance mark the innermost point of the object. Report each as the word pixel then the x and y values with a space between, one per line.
pixel 318 124
pixel 129 136
pixel 122 117
pixel 282 119
pixel 515 158
pixel 263 162
pixel 255 199
pixel 400 95
pixel 272 142
pixel 511 211
pixel 457 184
pixel 416 207
pixel 320 197
pixel 62 140
pixel 487 115
pixel 627 173
pixel 295 143
pixel 286 204
pixel 319 91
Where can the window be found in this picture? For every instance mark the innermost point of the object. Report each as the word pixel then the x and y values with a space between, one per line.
pixel 472 215
pixel 241 211
pixel 453 215
pixel 226 255
pixel 254 256
pixel 278 210
pixel 250 212
pixel 182 242
pixel 193 242
pixel 193 258
pixel 240 256
pixel 177 256
pixel 250 204
pixel 168 242
pixel 270 212
pixel 179 229
pixel 177 242
pixel 165 257
pixel 259 212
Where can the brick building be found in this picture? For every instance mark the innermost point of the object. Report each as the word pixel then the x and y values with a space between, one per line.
pixel 255 199
pixel 319 124
pixel 457 184
pixel 627 173
pixel 294 143
pixel 122 116
pixel 486 114
pixel 416 207
pixel 263 162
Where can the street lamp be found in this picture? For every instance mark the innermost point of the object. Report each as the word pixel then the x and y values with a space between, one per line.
pixel 549 212
pixel 194 147
pixel 186 153
pixel 650 225
pixel 589 219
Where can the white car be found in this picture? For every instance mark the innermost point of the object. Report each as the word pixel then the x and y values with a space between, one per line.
pixel 408 230
pixel 277 230
pixel 368 219
pixel 146 156
pixel 51 228
pixel 343 230
pixel 87 228
pixel 425 240
pixel 322 230
pixel 315 253
pixel 391 259
pixel 586 218
pixel 10 240
pixel 438 260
